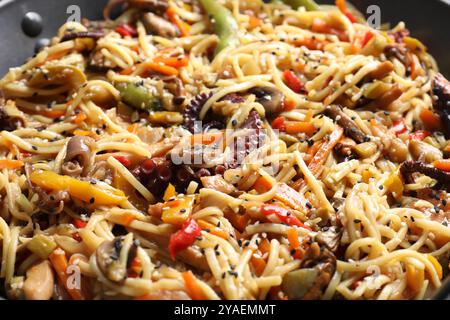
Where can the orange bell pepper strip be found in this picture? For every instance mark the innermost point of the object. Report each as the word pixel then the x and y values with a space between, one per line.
pixel 213 229
pixel 11 164
pixel 174 62
pixel 161 68
pixel 81 190
pixel 431 120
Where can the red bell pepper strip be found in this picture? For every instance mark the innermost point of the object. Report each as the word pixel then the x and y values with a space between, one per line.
pixel 80 224
pixel 343 8
pixel 367 37
pixel 419 135
pixel 399 127
pixel 184 238
pixel 123 160
pixel 285 216
pixel 126 30
pixel 279 124
pixel 292 81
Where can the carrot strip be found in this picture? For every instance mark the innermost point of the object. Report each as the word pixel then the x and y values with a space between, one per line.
pixel 80 118
pixel 184 28
pixel 60 264
pixel 443 165
pixel 161 68
pixel 294 127
pixel 213 229
pixel 192 287
pixel 174 62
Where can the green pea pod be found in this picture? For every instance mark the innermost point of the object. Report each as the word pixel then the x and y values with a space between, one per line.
pixel 225 26
pixel 137 96
pixel 310 5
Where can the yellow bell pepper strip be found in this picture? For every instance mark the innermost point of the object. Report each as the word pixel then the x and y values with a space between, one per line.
pixel 184 238
pixel 170 192
pixel 394 185
pixel 59 262
pixel 414 277
pixel 178 211
pixel 225 26
pixel 437 266
pixel 81 190
pixel 11 164
pixel 192 287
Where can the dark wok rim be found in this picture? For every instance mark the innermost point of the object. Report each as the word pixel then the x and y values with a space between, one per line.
pixel 441 294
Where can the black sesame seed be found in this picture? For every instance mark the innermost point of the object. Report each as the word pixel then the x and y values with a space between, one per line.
pixel 357 221
pixel 92 200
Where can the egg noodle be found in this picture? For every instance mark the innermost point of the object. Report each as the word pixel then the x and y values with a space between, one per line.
pixel 343 195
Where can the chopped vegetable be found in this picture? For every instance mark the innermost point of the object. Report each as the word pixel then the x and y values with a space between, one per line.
pixel 213 229
pixel 343 8
pixel 192 287
pixel 437 266
pixel 309 5
pixel 443 165
pixel 296 284
pixel 170 192
pixel 325 150
pixel 80 224
pixel 419 135
pixel 291 198
pixel 431 120
pixel 137 96
pixel 184 238
pixel 414 277
pixel 178 211
pixel 293 82
pixel 279 124
pixel 126 30
pixel 81 190
pixel 41 245
pixel 278 214
pixel 174 62
pixel 11 164
pixel 165 117
pixel 399 127
pixel 123 160
pixel 394 185
pixel 262 185
pixel 79 118
pixel 59 262
pixel 225 26
pixel 295 127
pixel 176 20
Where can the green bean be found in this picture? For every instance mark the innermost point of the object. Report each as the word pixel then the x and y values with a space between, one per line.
pixel 225 26
pixel 137 96
pixel 310 5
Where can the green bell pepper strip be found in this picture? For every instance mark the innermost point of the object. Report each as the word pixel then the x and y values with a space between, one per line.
pixel 225 26
pixel 137 96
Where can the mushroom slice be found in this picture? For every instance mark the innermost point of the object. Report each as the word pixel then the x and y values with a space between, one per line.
pixel 113 257
pixel 270 98
pixel 351 129
pixel 157 25
pixel 57 75
pixel 408 168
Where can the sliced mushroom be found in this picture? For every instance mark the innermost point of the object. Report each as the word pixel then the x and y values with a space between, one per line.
pixel 39 282
pixel 441 91
pixel 382 70
pixel 78 156
pixel 329 237
pixel 157 25
pixel 61 75
pixel 408 168
pixel 310 282
pixel 114 257
pixel 424 152
pixel 81 35
pixel 350 127
pixel 397 150
pixel 271 99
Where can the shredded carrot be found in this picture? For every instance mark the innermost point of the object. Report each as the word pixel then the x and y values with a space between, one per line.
pixel 443 165
pixel 184 28
pixel 313 150
pixel 54 114
pixel 289 105
pixel 126 219
pixel 174 62
pixel 80 118
pixel 192 287
pixel 239 222
pixel 11 164
pixel 264 246
pixel 213 229
pixel 325 150
pixel 60 264
pixel 161 68
pixel 128 71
